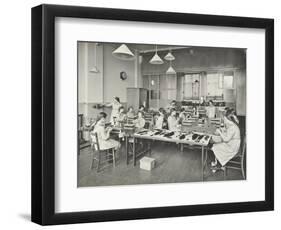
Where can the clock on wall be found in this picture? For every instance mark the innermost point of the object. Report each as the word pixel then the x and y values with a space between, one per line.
pixel 123 75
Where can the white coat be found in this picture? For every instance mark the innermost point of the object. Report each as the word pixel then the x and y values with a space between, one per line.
pixel 115 110
pixel 229 146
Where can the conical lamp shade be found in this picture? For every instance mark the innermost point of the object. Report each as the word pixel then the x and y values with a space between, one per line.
pixel 123 53
pixel 169 57
pixel 94 70
pixel 156 60
pixel 171 70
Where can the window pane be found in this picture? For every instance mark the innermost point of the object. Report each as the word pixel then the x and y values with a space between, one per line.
pixel 228 82
pixel 187 86
pixel 214 83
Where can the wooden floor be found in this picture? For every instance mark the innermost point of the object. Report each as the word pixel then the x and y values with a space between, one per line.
pixel 172 166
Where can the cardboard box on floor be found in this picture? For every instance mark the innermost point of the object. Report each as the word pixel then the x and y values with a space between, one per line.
pixel 147 163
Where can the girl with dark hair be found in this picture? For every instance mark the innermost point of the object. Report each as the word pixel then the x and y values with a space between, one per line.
pixel 142 108
pixel 140 121
pixel 104 133
pixel 228 145
pixel 182 115
pixel 173 121
pixel 121 115
pixel 131 113
pixel 160 119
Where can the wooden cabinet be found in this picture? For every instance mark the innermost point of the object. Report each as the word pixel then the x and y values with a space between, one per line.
pixel 137 97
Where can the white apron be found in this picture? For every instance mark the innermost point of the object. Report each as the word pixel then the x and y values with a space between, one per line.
pixel 227 149
pixel 173 123
pixel 159 122
pixel 115 110
pixel 103 137
pixel 211 111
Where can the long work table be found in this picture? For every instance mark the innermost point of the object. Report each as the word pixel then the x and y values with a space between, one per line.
pixel 191 133
pixel 190 138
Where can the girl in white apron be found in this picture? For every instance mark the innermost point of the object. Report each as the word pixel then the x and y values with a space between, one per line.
pixel 160 119
pixel 229 142
pixel 140 121
pixel 103 134
pixel 173 121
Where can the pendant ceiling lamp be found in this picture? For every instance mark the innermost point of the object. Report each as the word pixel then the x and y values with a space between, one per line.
pixel 95 68
pixel 123 53
pixel 156 60
pixel 169 56
pixel 171 70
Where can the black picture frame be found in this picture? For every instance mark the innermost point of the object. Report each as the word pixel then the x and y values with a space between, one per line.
pixel 43 113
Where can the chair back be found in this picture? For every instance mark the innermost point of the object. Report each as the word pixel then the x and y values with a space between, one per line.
pixel 130 120
pixel 242 149
pixel 243 146
pixel 148 117
pixel 95 141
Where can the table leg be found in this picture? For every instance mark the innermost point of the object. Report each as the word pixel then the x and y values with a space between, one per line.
pixel 206 157
pixel 127 150
pixel 202 161
pixel 134 151
pixel 149 147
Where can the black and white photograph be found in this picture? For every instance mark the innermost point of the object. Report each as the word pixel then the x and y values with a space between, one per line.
pixel 140 114
pixel 160 113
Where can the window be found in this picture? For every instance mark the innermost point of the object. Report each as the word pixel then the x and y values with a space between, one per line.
pixel 228 82
pixel 215 85
pixel 191 86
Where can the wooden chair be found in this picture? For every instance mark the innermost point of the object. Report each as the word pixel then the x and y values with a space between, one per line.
pixel 237 162
pixel 102 157
pixel 130 120
pixel 148 117
pixel 202 112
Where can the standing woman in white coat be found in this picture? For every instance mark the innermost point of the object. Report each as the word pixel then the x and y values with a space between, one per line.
pixel 115 108
pixel 228 145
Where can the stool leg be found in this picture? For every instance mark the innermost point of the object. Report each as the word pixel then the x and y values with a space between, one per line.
pixel 99 156
pixel 113 157
pixel 93 161
pixel 242 170
pixel 127 150
pixel 242 167
pixel 149 148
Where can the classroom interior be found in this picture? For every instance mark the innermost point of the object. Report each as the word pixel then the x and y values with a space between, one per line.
pixel 149 77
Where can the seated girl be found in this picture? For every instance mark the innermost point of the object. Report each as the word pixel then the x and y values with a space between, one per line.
pixel 103 134
pixel 182 115
pixel 131 113
pixel 140 121
pixel 121 117
pixel 160 119
pixel 173 121
pixel 227 146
